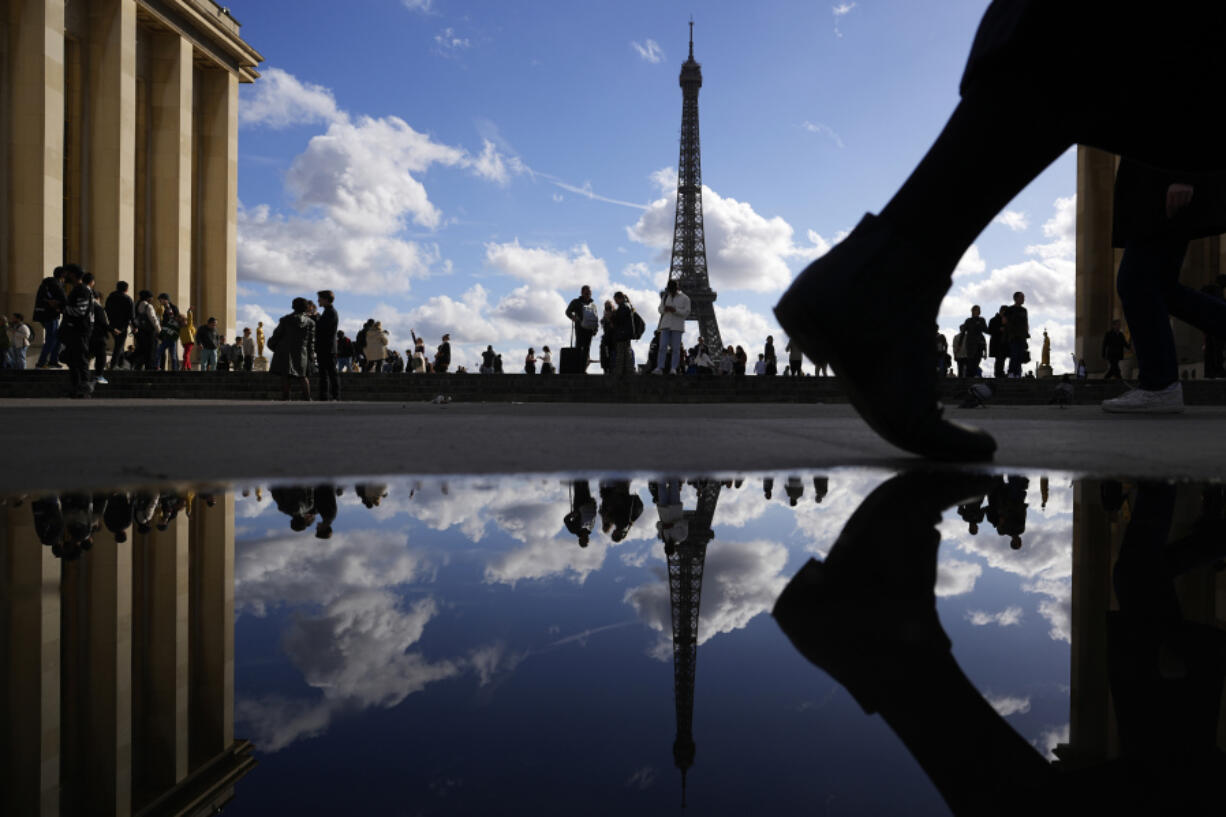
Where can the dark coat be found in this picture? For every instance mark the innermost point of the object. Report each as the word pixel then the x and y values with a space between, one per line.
pixel 1017 326
pixel 996 334
pixel 325 332
pixel 623 323
pixel 442 357
pixel 102 326
pixel 207 337
pixel 120 310
pixel 293 345
pixel 973 342
pixel 1114 345
pixel 49 290
pixel 1140 205
pixel 78 313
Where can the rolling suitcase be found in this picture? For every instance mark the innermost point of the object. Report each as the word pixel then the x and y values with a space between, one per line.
pixel 571 360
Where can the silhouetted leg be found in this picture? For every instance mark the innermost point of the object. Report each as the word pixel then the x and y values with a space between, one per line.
pixel 1142 283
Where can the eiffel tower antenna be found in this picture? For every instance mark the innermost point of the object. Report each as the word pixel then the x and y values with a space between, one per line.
pixel 689 258
pixel 685 564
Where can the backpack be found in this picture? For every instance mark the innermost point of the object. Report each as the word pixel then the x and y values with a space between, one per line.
pixel 588 319
pixel 640 326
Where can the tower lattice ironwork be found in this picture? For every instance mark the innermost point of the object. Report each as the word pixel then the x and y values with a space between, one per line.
pixel 685 563
pixel 689 261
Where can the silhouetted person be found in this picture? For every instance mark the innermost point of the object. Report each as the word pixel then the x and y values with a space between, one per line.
pixel 1114 344
pixel 76 330
pixel 582 516
pixel 1095 96
pixel 768 485
pixel 48 519
pixel 120 313
pixel 1156 214
pixel 581 312
pixel 48 306
pixel 293 349
pixel 972 514
pixel 326 346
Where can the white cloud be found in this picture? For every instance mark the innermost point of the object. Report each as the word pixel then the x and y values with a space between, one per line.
pixel 250 315
pixel 741 326
pixel 1013 219
pixel 971 263
pixel 839 11
pixel 1062 229
pixel 1050 738
pixel 424 6
pixel 650 51
pixel 1006 705
pixel 280 100
pixel 955 577
pixel 1008 617
pixel 449 41
pixel 558 197
pixel 544 267
pixel 744 249
pixel 355 188
pixel 740 581
pixel 824 130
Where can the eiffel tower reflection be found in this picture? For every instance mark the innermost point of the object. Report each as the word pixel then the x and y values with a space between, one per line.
pixel 685 544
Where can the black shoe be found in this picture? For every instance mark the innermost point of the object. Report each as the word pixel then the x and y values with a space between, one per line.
pixel 863 309
pixel 868 613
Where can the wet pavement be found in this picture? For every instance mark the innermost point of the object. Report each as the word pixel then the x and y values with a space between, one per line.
pixel 1000 642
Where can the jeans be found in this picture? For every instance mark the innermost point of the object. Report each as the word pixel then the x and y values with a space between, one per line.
pixel 17 357
pixel 248 362
pixel 51 343
pixel 1149 289
pixel 208 360
pixel 623 359
pixel 164 346
pixel 669 338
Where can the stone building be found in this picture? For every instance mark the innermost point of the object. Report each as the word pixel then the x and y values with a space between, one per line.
pixel 1098 262
pixel 120 147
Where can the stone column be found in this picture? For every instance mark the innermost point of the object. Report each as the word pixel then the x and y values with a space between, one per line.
pixel 30 656
pixel 160 655
pixel 211 605
pixel 1096 259
pixel 111 154
pixel 171 167
pixel 217 196
pixel 97 680
pixel 35 150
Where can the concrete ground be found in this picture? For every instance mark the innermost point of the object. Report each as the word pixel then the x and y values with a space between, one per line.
pixel 57 444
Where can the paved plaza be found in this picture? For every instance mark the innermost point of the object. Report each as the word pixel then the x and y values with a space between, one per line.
pixel 56 444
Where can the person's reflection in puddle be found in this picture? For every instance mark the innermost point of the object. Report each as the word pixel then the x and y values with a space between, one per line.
pixel 297 502
pixel 118 515
pixel 673 527
pixel 66 523
pixel 619 508
pixel 582 516
pixel 867 616
pixel 1007 508
pixel 325 507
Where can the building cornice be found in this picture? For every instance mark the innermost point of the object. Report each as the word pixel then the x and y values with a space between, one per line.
pixel 211 29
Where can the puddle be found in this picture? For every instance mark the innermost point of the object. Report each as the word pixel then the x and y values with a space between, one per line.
pixel 605 645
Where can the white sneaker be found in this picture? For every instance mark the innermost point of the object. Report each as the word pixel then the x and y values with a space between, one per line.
pixel 658 371
pixel 1143 401
pixel 102 380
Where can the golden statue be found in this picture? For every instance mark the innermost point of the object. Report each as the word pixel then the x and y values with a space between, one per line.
pixel 259 337
pixel 1046 360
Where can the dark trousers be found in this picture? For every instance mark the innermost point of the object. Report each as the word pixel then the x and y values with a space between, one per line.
pixel 145 345
pixel 120 341
pixel 51 343
pixel 998 368
pixel 1113 371
pixel 98 352
pixel 583 342
pixel 75 352
pixel 1149 289
pixel 248 362
pixel 329 379
pixel 1017 350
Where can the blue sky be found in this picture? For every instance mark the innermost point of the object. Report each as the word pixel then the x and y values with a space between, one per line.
pixel 466 166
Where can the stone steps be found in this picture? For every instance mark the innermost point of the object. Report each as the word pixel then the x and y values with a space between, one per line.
pixel 41 383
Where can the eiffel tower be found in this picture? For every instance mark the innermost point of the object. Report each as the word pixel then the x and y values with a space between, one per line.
pixel 685 563
pixel 689 262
